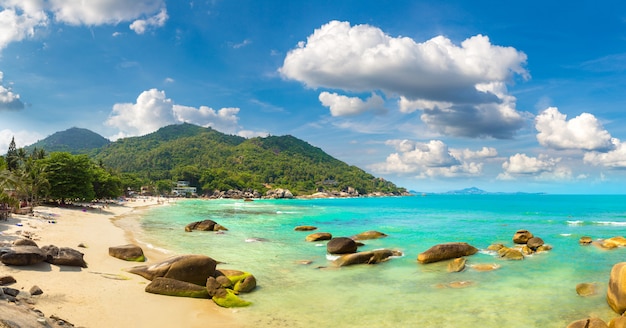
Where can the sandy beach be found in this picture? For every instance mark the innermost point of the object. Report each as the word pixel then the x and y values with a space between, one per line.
pixel 102 295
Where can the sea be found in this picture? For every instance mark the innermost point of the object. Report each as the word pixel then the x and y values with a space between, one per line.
pixel 298 285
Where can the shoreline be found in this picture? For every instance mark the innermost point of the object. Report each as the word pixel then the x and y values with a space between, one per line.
pixel 102 295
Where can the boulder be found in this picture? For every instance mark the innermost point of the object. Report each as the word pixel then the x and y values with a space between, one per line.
pixel 128 252
pixel 618 322
pixel 22 255
pixel 195 269
pixel 319 236
pixel 7 280
pixel 239 281
pixel 305 228
pixel 534 243
pixel 522 236
pixel 369 235
pixel 447 251
pixel 279 193
pixel 485 267
pixel 511 254
pixel 614 242
pixel 543 248
pixel 173 287
pixel 35 290
pixel 206 225
pixel 495 247
pixel 341 245
pixel 585 240
pixel 25 242
pixel 616 292
pixel 369 257
pixel 228 299
pixel 588 323
pixel 457 265
pixel 64 256
pixel 587 289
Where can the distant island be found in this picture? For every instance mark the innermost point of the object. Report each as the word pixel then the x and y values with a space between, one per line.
pixel 473 191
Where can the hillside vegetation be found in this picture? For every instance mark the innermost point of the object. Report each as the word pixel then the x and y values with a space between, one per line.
pixel 211 160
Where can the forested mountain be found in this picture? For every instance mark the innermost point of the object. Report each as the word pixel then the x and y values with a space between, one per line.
pixel 212 160
pixel 73 140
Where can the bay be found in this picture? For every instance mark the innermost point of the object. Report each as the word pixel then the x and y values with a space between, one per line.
pixel 537 292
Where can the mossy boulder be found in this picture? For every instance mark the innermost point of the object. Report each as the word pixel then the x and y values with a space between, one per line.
pixel 240 281
pixel 127 252
pixel 173 287
pixel 446 251
pixel 228 299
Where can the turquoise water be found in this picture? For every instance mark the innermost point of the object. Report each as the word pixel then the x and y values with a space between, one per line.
pixel 536 292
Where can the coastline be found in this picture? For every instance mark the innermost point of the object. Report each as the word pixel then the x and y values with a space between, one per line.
pixel 102 295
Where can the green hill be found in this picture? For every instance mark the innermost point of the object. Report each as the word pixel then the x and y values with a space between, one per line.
pixel 73 140
pixel 212 160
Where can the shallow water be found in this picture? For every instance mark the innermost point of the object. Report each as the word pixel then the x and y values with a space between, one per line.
pixel 536 292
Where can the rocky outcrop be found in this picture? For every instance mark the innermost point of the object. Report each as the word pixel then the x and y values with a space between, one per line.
pixel 522 236
pixel 305 228
pixel 279 194
pixel 457 265
pixel 195 269
pixel 64 256
pixel 173 287
pixel 370 257
pixel 585 240
pixel 205 225
pixel 341 245
pixel 318 236
pixel 614 242
pixel 447 251
pixel 588 323
pixel 616 292
pixel 369 235
pixel 22 255
pixel 127 252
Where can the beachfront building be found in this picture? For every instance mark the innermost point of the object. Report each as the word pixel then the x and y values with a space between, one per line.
pixel 183 189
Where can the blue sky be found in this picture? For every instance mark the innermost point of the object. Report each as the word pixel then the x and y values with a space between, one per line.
pixel 433 96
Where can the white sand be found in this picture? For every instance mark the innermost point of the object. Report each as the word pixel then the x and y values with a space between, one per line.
pixel 102 295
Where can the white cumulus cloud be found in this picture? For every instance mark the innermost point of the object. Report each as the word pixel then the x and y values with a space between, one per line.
pixel 540 168
pixel 19 19
pixel 615 158
pixel 153 110
pixel 431 159
pixel 342 105
pixel 455 83
pixel 582 132
pixel 8 99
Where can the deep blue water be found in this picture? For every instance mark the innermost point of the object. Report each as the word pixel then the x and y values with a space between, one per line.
pixel 536 292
